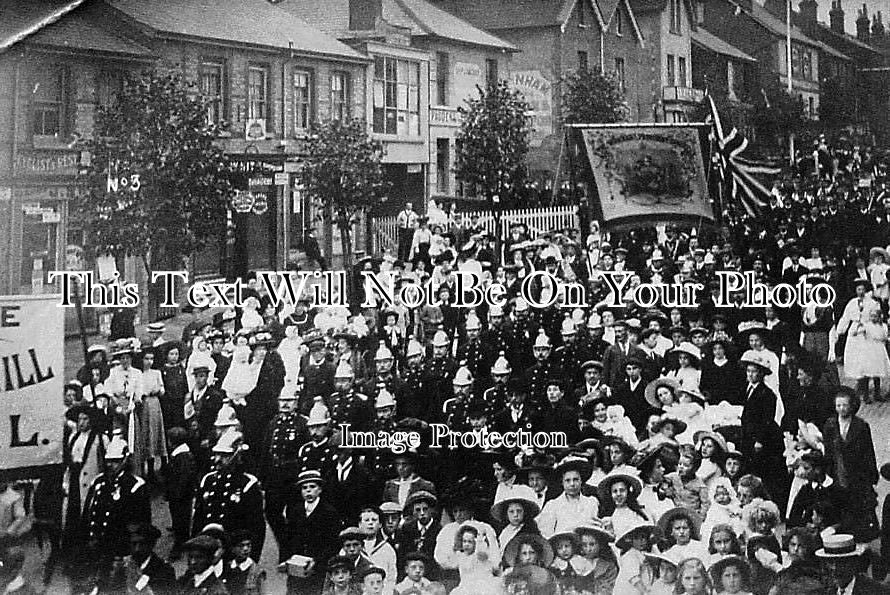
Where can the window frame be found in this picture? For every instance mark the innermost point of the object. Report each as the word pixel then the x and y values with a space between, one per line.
pixel 339 97
pixel 682 72
pixel 265 103
pixel 219 65
pixel 387 115
pixel 676 17
pixel 308 104
pixel 492 72
pixel 621 73
pixel 671 71
pixel 619 22
pixel 583 61
pixel 443 78
pixel 60 105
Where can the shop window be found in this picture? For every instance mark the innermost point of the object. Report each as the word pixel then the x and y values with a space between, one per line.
pixel 50 100
pixel 396 96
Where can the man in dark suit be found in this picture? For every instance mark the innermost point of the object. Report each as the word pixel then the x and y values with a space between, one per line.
pixel 593 383
pixel 556 414
pixel 407 482
pixel 631 394
pixel 144 567
pixel 418 534
pixel 318 372
pixel 352 484
pixel 202 404
pixel 180 487
pixel 842 560
pixel 314 526
pixel 616 355
pixel 761 439
pixel 821 488
pixel 518 414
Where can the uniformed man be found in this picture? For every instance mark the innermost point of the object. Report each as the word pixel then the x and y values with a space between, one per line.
pixel 318 454
pixel 454 409
pixel 287 434
pixel 498 335
pixel 566 355
pixel 318 372
pixel 537 376
pixel 115 498
pixel 518 415
pixel 413 401
pixel 496 396
pixel 593 347
pixel 385 375
pixel 437 375
pixel 525 331
pixel 385 408
pixel 348 406
pixel 230 497
pixel 477 354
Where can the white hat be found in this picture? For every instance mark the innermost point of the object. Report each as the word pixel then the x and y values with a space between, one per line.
pixel 595 321
pixel 495 310
pixel 344 370
pixel 689 349
pixel 501 365
pixel 521 305
pixel 578 316
pixel 440 339
pixel 463 377
pixel 568 327
pixel 657 255
pixel 384 399
pixel 383 353
pixel 230 442
pixel 414 348
pixel 473 322
pixel 117 448
pixel 318 415
pixel 542 340
pixel 226 417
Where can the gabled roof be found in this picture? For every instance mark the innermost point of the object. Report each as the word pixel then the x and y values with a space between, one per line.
pixel 610 8
pixel 778 27
pixel 76 31
pixel 420 17
pixel 19 20
pixel 511 14
pixel 711 42
pixel 252 22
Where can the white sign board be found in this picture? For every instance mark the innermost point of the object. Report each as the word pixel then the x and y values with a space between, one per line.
pixel 466 77
pixel 32 355
pixel 538 93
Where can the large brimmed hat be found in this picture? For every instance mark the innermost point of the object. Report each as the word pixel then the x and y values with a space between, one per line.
pixel 694 392
pixel 651 392
pixel 574 463
pixel 202 543
pixel 629 451
pixel 689 349
pixel 520 494
pixel 511 553
pixel 750 327
pixel 639 528
pixel 679 425
pixel 597 529
pixel 840 545
pixel 756 359
pixel 540 462
pixel 664 523
pixel 658 558
pixel 877 250
pixel 570 535
pixel 864 282
pixel 718 439
pixel 634 486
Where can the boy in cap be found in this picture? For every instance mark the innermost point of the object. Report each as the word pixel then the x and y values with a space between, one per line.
pixel 144 567
pixel 199 578
pixel 313 529
pixel 415 581
pixel 241 574
pixel 339 580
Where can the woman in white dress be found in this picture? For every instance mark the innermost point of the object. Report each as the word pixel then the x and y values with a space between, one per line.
pixel 688 373
pixel 860 356
pixel 151 417
pixel 472 557
pixel 618 495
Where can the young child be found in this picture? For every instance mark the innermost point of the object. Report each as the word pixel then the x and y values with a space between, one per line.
pixel 689 491
pixel 372 580
pixel 663 573
pixel 712 448
pixel 680 526
pixel 725 508
pixel 340 577
pixel 722 543
pixel 242 576
pixel 242 375
pixel 692 578
pixel 415 579
pixel 568 566
pixel 620 425
pixel 731 576
pixel 595 548
pixel 633 545
pixel 733 464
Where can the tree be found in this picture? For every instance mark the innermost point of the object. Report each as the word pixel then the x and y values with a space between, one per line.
pixel 837 104
pixel 590 97
pixel 343 174
pixel 493 141
pixel 778 115
pixel 157 185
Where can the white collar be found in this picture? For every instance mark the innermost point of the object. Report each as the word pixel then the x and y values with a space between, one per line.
pixel 243 566
pixel 179 450
pixel 825 484
pixel 199 579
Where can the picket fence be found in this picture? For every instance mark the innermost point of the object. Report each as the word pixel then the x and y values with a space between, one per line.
pixel 385 232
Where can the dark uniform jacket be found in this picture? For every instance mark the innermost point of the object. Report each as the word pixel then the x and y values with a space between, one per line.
pixel 110 505
pixel 235 501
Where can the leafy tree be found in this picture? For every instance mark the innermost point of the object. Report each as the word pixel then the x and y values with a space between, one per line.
pixel 493 141
pixel 778 115
pixel 837 103
pixel 156 130
pixel 343 174
pixel 591 97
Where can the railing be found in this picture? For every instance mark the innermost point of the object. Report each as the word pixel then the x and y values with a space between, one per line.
pixel 385 236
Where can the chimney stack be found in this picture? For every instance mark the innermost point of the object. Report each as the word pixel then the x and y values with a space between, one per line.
pixel 877 28
pixel 862 24
pixel 809 18
pixel 364 14
pixel 836 15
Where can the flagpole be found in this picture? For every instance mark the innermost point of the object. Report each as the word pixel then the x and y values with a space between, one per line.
pixel 789 69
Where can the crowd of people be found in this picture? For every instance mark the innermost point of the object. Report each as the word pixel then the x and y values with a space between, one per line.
pixel 707 450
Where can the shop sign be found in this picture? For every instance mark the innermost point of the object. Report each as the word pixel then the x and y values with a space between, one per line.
pixel 242 202
pixel 260 205
pixel 539 95
pixel 47 162
pixel 282 179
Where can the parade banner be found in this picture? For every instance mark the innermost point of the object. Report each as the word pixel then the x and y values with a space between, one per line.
pixel 32 352
pixel 648 171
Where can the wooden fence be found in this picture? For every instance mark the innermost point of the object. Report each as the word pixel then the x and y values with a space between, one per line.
pixel 385 231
